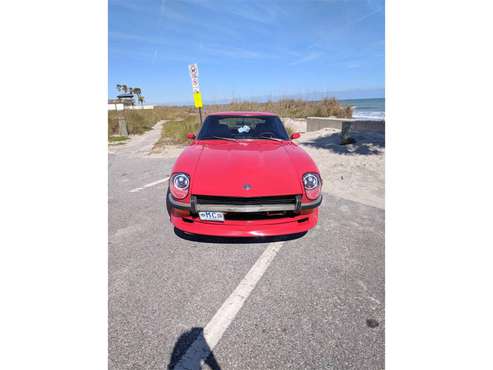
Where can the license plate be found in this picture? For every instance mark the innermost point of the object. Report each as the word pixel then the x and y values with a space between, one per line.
pixel 211 216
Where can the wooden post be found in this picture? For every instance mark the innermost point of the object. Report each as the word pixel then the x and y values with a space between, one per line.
pixel 200 116
pixel 346 133
pixel 122 126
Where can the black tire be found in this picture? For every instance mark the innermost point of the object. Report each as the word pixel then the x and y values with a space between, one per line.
pixel 168 204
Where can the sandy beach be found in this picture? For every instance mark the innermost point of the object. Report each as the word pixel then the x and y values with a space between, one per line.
pixel 354 172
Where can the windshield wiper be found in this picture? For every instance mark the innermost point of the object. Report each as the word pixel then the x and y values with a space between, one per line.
pixel 268 138
pixel 219 138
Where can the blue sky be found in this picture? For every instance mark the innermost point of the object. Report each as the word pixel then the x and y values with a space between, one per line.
pixel 247 48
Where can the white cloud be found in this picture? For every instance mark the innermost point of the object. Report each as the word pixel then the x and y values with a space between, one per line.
pixel 234 52
pixel 265 12
pixel 307 58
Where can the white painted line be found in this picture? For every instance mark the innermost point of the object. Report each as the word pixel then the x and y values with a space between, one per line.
pixel 200 349
pixel 156 182
pixel 149 185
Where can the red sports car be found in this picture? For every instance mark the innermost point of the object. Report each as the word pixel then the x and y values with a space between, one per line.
pixel 242 176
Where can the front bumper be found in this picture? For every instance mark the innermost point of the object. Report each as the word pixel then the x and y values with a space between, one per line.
pixel 194 207
pixel 235 229
pixel 184 217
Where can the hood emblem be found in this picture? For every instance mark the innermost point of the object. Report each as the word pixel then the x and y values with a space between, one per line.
pixel 247 186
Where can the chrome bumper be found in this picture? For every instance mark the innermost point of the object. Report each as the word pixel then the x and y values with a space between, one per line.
pixel 194 207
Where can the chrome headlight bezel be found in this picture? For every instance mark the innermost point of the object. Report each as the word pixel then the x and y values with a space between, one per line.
pixel 181 180
pixel 312 183
pixel 311 180
pixel 179 185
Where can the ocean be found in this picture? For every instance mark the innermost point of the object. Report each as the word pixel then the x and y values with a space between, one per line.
pixel 366 108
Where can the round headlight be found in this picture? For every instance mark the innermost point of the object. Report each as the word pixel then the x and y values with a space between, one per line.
pixel 310 181
pixel 181 181
pixel 312 184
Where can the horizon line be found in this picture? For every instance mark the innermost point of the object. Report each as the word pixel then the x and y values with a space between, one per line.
pixel 311 96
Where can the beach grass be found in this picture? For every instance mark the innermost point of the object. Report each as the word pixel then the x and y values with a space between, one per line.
pixel 175 131
pixel 116 139
pixel 184 119
pixel 292 108
pixel 140 121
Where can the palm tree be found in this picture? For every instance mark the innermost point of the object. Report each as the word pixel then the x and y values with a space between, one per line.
pixel 125 88
pixel 141 101
pixel 131 92
pixel 119 88
pixel 137 91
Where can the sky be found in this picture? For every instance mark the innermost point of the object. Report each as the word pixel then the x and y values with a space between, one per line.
pixel 247 49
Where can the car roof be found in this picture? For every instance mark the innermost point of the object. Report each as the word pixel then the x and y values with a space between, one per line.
pixel 240 114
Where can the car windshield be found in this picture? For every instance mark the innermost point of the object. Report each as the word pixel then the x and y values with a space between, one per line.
pixel 246 127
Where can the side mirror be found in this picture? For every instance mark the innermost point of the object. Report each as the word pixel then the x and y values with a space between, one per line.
pixel 296 135
pixel 190 136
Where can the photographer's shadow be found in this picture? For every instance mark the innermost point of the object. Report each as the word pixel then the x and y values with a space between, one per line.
pixel 191 351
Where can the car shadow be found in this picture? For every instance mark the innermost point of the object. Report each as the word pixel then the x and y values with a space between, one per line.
pixel 241 240
pixel 365 143
pixel 200 353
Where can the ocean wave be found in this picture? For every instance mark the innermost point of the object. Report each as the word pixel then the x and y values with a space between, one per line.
pixel 369 115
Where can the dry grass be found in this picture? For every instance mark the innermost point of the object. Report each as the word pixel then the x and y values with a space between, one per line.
pixel 116 138
pixel 292 108
pixel 140 121
pixel 182 120
pixel 175 131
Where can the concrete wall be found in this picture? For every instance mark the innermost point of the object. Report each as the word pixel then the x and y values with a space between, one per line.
pixel 136 107
pixel 318 123
pixel 115 106
pixel 369 125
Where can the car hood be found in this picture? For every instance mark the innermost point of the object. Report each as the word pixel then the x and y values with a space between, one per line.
pixel 226 168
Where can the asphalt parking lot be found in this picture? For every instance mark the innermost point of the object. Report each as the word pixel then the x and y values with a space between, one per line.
pixel 312 302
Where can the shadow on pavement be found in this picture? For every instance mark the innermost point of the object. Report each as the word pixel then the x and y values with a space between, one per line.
pixel 243 240
pixel 366 143
pixel 201 352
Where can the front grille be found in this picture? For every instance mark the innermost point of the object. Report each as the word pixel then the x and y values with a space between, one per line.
pixel 237 205
pixel 283 199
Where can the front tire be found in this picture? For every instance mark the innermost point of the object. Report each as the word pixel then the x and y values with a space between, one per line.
pixel 168 204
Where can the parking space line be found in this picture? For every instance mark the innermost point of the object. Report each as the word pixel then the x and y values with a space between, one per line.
pixel 214 330
pixel 149 185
